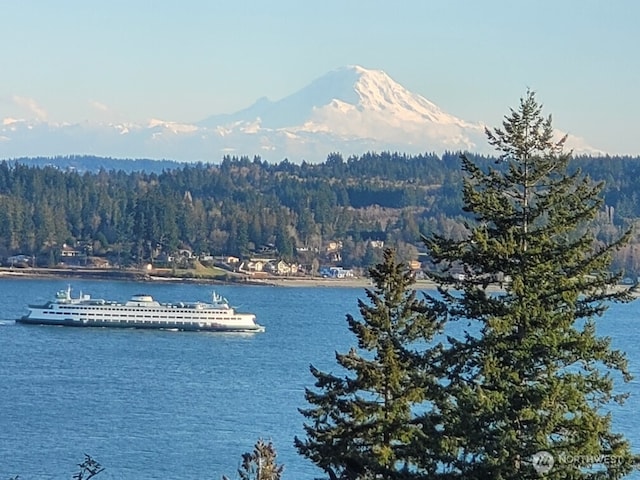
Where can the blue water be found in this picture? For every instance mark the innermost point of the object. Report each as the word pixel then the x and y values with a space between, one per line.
pixel 169 405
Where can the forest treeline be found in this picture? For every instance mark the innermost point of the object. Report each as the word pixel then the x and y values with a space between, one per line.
pixel 122 210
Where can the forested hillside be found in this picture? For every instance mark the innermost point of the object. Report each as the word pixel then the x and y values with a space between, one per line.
pixel 242 204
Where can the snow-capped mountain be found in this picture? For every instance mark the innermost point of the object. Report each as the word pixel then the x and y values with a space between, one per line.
pixel 354 108
pixel 350 110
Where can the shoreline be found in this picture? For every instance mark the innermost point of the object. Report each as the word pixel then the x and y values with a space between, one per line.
pixel 293 282
pixel 137 275
pixel 272 281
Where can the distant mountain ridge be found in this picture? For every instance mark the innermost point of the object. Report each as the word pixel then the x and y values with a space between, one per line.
pixel 350 110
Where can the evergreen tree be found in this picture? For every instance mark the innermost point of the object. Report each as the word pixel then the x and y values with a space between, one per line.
pixel 89 468
pixel 260 464
pixel 361 424
pixel 533 382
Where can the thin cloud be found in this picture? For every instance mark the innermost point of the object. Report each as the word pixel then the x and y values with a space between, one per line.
pixel 31 105
pixel 99 106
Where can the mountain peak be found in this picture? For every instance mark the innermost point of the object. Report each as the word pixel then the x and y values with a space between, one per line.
pixel 355 102
pixel 348 88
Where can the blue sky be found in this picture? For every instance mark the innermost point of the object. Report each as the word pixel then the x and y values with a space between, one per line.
pixel 182 61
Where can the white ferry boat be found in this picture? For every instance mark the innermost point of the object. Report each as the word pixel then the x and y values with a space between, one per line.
pixel 141 311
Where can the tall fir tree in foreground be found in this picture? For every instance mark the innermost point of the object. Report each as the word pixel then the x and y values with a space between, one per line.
pixel 526 388
pixel 531 374
pixel 362 423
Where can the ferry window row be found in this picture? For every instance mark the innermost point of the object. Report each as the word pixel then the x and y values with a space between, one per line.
pixel 119 309
pixel 173 317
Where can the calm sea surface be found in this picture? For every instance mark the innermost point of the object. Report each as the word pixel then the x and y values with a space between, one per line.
pixel 174 405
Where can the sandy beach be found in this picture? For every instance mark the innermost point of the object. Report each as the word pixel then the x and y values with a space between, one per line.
pixel 331 282
pixel 313 282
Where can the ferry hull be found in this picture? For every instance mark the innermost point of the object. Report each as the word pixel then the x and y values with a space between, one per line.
pixel 69 322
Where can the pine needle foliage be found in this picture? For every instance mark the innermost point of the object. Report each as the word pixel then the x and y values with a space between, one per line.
pixel 260 464
pixel 534 376
pixel 89 468
pixel 363 423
